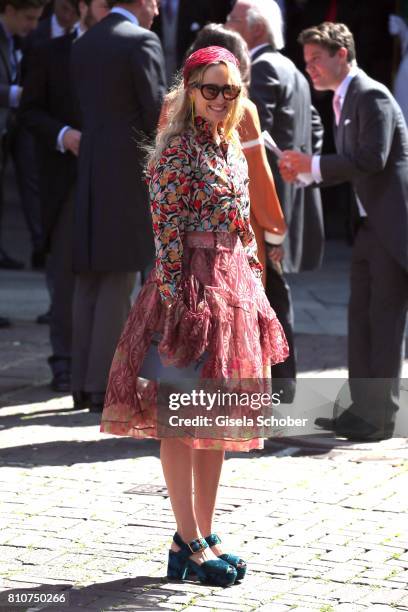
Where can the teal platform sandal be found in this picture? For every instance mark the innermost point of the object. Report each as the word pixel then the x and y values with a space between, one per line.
pixel 237 562
pixel 216 571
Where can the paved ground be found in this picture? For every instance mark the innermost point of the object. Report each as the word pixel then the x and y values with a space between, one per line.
pixel 85 517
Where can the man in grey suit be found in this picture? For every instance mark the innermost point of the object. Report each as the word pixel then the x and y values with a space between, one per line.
pixel 118 73
pixel 282 96
pixel 372 154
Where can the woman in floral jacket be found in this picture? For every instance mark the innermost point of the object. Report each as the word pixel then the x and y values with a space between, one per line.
pixel 203 309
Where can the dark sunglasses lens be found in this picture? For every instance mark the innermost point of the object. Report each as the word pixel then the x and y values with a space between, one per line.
pixel 210 92
pixel 230 92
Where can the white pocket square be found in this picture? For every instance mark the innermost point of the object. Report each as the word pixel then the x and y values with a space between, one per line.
pixel 347 121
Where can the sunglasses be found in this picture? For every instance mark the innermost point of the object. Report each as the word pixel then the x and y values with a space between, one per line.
pixel 209 91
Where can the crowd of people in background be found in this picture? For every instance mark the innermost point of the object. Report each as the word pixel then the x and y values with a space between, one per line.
pixel 82 86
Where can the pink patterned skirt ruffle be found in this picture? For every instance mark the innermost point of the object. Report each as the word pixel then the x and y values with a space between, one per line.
pixel 221 311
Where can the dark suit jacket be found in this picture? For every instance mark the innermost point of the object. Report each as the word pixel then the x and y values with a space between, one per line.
pixel 192 16
pixel 282 96
pixel 118 71
pixel 5 82
pixel 47 105
pixel 41 34
pixel 372 154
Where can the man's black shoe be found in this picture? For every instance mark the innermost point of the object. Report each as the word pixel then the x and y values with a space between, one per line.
pixel 361 431
pixel 96 402
pixel 44 319
pixel 8 263
pixel 371 428
pixel 4 322
pixel 98 408
pixel 61 383
pixel 356 429
pixel 325 423
pixel 81 400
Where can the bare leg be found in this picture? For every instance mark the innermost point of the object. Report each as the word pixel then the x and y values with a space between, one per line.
pixel 177 463
pixel 207 465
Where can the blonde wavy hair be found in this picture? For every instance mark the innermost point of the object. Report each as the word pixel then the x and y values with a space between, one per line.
pixel 177 113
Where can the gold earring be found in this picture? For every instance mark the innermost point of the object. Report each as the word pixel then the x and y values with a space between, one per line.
pixel 192 112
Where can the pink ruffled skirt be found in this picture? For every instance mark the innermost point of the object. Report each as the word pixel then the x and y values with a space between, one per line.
pixel 221 313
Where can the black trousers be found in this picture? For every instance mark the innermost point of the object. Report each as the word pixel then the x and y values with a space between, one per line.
pixel 101 305
pixel 376 327
pixel 59 270
pixel 19 144
pixel 278 293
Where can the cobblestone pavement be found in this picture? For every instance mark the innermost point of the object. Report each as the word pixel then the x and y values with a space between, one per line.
pixel 86 516
pixel 85 519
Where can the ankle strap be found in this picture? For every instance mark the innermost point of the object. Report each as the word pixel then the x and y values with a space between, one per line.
pixel 192 547
pixel 213 539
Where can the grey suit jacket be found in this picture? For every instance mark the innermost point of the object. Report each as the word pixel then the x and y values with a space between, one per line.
pixel 372 154
pixel 282 96
pixel 118 76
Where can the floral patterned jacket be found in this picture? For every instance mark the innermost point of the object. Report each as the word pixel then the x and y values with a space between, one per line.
pixel 197 185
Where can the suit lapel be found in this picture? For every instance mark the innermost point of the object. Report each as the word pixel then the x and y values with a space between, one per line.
pixel 348 104
pixel 5 51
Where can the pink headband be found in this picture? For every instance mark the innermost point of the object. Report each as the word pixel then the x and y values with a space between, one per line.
pixel 207 55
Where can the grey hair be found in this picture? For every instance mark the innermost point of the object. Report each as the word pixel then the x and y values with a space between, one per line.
pixel 269 13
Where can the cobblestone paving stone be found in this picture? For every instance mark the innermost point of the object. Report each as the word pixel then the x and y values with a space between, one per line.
pixel 322 523
pixel 86 515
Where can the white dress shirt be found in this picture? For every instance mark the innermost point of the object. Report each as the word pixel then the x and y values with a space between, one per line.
pixel 57 30
pixel 121 11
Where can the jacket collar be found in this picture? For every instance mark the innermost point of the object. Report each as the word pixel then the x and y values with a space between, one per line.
pixel 261 50
pixel 5 49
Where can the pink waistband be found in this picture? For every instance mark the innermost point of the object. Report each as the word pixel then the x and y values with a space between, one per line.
pixel 210 240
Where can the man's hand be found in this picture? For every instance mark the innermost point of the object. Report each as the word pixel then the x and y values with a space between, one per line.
pixel 275 253
pixel 293 163
pixel 71 141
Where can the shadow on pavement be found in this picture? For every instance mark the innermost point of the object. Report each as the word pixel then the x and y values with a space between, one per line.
pixel 72 452
pixel 128 593
pixel 297 446
pixel 54 417
pixel 30 395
